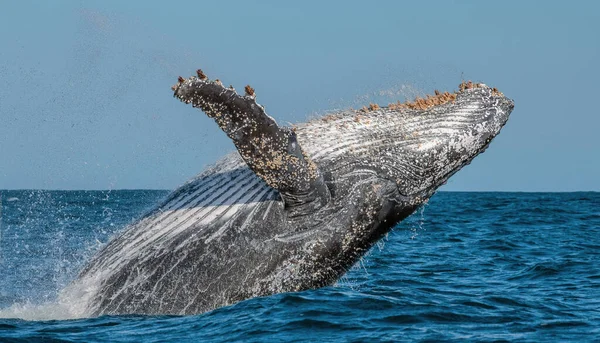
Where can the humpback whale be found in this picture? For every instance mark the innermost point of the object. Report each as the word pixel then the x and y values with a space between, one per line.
pixel 294 207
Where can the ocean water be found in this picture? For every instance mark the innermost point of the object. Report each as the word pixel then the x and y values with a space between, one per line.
pixel 488 267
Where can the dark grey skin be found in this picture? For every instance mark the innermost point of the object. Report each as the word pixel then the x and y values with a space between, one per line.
pixel 294 209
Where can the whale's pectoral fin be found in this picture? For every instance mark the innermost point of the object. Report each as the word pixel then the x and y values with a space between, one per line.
pixel 272 152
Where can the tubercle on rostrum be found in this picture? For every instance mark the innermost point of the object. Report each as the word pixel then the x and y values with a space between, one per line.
pixel 427 102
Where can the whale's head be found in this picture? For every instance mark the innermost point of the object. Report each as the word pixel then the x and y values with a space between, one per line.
pixel 415 146
pixel 427 145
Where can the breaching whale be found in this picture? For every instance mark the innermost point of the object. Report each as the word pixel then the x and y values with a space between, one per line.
pixel 294 208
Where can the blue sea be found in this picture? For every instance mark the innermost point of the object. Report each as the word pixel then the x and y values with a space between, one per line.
pixel 480 267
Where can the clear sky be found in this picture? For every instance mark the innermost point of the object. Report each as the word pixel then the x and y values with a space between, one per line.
pixel 85 99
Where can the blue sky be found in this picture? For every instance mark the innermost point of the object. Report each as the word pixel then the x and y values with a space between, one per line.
pixel 85 100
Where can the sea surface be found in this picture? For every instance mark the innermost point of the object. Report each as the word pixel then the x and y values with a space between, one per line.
pixel 485 267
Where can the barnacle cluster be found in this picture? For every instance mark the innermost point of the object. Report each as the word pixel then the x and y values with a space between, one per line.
pixel 425 103
pixel 429 101
pixel 249 90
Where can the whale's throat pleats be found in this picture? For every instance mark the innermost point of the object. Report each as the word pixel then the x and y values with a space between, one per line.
pixel 271 151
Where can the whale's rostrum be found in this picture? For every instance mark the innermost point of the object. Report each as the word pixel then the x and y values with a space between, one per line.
pixel 293 208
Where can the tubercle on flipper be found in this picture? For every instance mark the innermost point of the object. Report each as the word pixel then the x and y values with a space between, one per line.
pixel 201 74
pixel 249 91
pixel 272 152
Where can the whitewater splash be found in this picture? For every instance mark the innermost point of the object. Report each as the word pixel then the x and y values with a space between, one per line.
pixel 46 237
pixel 70 304
pixel 40 312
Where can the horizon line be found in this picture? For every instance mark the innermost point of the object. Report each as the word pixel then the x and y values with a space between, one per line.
pixel 171 190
